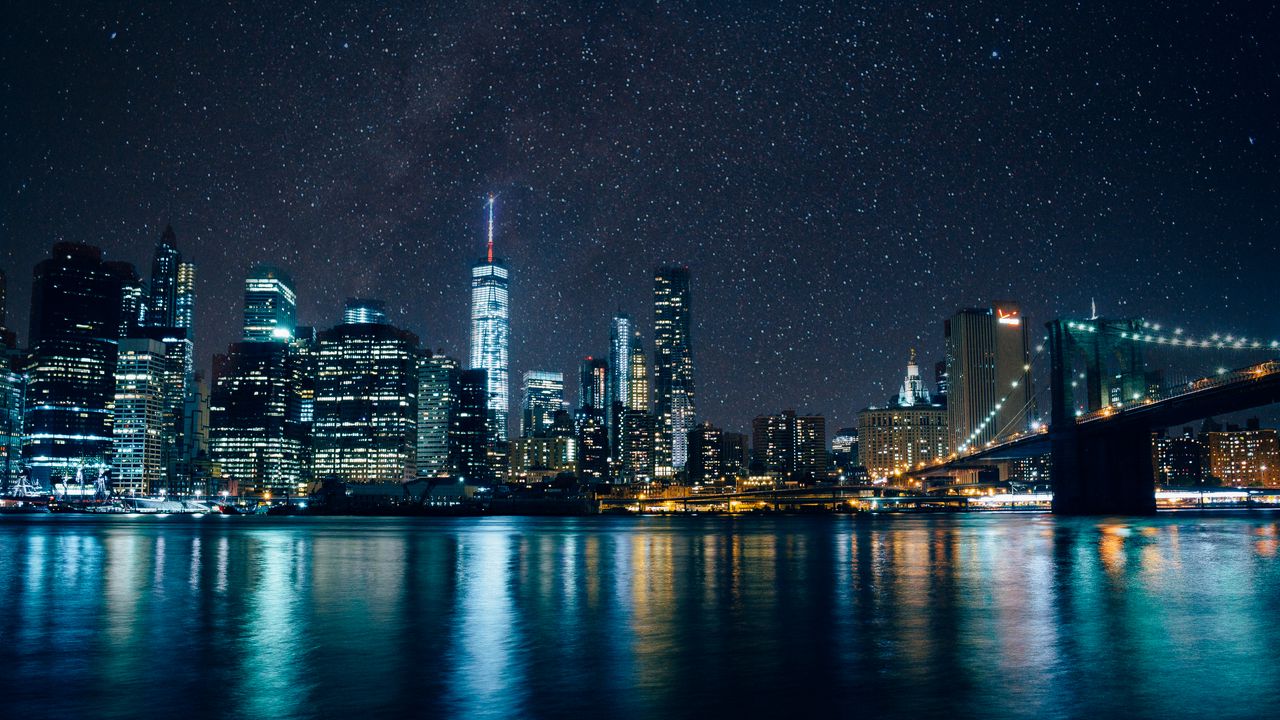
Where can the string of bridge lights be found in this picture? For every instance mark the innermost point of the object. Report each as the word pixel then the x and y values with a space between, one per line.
pixel 1152 333
pixel 995 410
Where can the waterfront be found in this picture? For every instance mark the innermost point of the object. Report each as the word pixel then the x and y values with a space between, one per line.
pixel 972 615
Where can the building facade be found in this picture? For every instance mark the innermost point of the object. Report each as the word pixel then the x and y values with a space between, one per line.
pixel 490 331
pixel 911 429
pixel 988 363
pixel 437 391
pixel 543 397
pixel 673 369
pixel 366 406
pixel 270 305
pixel 141 426
pixel 1244 458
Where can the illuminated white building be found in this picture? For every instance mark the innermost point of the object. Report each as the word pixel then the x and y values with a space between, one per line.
pixel 490 330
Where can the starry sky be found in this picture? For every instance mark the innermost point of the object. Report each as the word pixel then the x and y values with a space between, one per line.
pixel 838 177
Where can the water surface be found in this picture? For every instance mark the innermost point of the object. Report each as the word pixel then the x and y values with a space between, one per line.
pixel 957 616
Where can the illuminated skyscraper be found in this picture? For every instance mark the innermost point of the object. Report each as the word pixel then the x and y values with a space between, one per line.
pixel 469 429
pixel 987 364
pixel 490 328
pixel 76 316
pixel 638 375
pixel 618 388
pixel 12 388
pixel 185 301
pixel 270 305
pixel 255 436
pixel 141 426
pixel 162 306
pixel 673 369
pixel 910 429
pixel 543 397
pixel 593 383
pixel 365 426
pixel 437 391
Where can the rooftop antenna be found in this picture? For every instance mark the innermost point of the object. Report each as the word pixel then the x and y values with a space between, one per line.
pixel 491 199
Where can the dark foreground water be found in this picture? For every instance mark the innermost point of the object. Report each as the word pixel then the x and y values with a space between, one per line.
pixel 962 616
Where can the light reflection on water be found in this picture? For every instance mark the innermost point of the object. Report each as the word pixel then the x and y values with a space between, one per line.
pixel 923 616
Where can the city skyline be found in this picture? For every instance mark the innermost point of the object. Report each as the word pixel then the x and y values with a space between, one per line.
pixel 830 211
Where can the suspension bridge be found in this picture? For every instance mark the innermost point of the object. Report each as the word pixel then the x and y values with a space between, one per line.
pixel 1105 403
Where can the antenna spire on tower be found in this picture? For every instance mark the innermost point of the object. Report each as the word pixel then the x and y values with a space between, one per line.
pixel 490 228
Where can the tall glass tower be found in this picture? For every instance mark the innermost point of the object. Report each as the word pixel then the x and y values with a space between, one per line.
pixel 673 369
pixel 490 329
pixel 270 305
pixel 162 310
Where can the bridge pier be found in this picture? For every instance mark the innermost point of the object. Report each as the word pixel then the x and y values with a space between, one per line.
pixel 1103 473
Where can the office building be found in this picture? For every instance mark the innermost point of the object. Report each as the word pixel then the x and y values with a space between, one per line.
pixel 988 363
pixel 469 429
pixel 437 386
pixel 638 375
pixel 735 455
pixel 673 369
pixel 541 458
pixel 844 449
pixel 543 397
pixel 12 390
pixel 76 317
pixel 618 387
pixel 185 297
pixel 162 304
pixel 255 434
pixel 789 447
pixel 635 446
pixel 365 425
pixel 909 430
pixel 593 447
pixel 270 305
pixel 1179 460
pixel 141 427
pixel 593 382
pixel 704 465
pixel 490 330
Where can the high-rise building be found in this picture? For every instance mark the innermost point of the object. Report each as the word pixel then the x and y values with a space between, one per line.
pixel 1178 460
pixel 543 396
pixel 1244 458
pixel 133 302
pixel 735 455
pixel 637 375
pixel 365 426
pixel 618 388
pixel 490 328
pixel 673 369
pixel 635 446
pixel 270 305
pixel 76 317
pixel 176 374
pixel 705 444
pixel 469 428
pixel 364 311
pixel 773 444
pixel 140 427
pixel 255 433
pixel 593 447
pixel 437 387
pixel 593 383
pixel 988 365
pixel 811 448
pixel 162 306
pixel 541 458
pixel 909 430
pixel 12 388
pixel 185 300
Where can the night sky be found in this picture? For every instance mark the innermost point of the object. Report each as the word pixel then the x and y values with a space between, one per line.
pixel 838 178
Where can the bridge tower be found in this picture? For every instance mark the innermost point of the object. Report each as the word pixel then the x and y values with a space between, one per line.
pixel 1097 470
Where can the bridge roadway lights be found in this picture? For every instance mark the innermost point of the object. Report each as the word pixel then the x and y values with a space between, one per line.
pixel 1107 472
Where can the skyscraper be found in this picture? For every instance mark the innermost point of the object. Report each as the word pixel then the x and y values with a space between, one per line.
pixel 76 312
pixel 365 426
pixel 469 428
pixel 255 436
pixel 618 389
pixel 789 447
pixel 543 396
pixel 673 369
pixel 637 375
pixel 490 328
pixel 704 464
pixel 270 305
pixel 437 390
pixel 185 300
pixel 140 427
pixel 162 306
pixel 593 383
pixel 12 388
pixel 988 362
